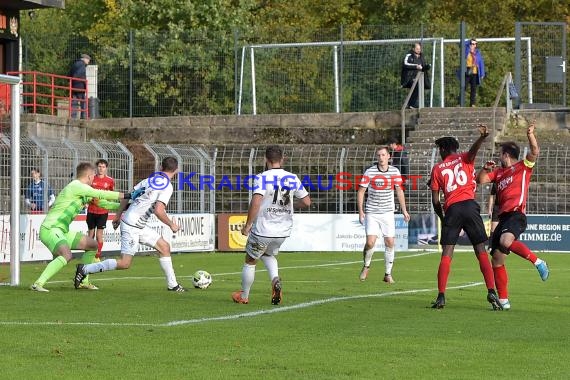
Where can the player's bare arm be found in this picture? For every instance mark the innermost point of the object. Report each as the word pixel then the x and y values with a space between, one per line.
pixel 402 201
pixel 160 212
pixel 360 203
pixel 117 218
pixel 533 144
pixel 252 212
pixel 303 202
pixel 435 202
pixel 491 205
pixel 483 173
pixel 483 133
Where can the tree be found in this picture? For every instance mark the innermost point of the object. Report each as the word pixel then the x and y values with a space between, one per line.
pixel 183 51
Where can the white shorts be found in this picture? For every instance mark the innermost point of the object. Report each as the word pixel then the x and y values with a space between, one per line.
pixel 257 246
pixel 131 237
pixel 381 225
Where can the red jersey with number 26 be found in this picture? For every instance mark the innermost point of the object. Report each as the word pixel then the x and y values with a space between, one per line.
pixel 512 186
pixel 455 176
pixel 101 183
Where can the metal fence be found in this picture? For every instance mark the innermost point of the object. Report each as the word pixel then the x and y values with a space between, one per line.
pixel 157 74
pixel 215 179
pixel 57 161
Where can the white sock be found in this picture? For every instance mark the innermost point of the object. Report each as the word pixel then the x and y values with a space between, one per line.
pixel 368 257
pixel 271 265
pixel 103 266
pixel 247 277
pixel 388 259
pixel 166 265
pixel 538 262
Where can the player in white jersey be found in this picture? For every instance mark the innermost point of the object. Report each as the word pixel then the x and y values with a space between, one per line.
pixel 134 229
pixel 381 180
pixel 271 209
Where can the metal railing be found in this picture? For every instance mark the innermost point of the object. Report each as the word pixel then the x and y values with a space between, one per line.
pixel 227 169
pixel 51 94
pixel 504 87
pixel 418 79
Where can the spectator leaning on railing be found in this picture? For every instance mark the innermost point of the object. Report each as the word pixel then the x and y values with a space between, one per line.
pixel 78 93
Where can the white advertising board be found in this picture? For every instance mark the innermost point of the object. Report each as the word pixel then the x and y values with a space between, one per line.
pixel 332 232
pixel 197 234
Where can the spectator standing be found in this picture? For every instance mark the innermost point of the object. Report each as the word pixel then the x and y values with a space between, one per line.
pixel 79 86
pixel 414 62
pixel 34 196
pixel 475 69
pixel 399 156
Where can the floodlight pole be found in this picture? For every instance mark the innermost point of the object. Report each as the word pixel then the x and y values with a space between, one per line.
pixel 14 82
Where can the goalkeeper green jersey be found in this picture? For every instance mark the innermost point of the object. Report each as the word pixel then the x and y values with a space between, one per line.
pixel 71 200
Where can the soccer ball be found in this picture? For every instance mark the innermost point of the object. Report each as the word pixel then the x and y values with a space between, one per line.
pixel 201 279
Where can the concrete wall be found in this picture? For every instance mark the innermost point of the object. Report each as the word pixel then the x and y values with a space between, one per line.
pixel 345 128
pixel 370 128
pixel 47 126
pixel 362 128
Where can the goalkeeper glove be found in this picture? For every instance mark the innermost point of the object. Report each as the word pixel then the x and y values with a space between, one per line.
pixel 136 193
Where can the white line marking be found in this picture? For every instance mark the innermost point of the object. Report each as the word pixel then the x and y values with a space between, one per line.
pixel 250 314
pixel 97 279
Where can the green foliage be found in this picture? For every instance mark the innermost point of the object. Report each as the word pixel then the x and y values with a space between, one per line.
pixel 186 54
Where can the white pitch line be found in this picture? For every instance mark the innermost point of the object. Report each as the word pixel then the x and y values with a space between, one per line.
pixel 257 270
pixel 230 317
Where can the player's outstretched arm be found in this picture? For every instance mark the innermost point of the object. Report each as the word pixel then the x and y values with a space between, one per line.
pixel 107 205
pixel 534 150
pixel 83 189
pixel 483 133
pixel 483 173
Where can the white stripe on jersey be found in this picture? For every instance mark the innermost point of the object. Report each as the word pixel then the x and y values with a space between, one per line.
pixel 523 183
pixel 381 195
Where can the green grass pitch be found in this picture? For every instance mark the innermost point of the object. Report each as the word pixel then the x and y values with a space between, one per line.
pixel 329 326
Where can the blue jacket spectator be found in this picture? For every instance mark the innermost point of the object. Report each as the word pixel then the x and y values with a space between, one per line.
pixel 34 196
pixel 475 69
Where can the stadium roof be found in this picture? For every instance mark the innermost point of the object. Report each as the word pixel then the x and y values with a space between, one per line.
pixel 31 4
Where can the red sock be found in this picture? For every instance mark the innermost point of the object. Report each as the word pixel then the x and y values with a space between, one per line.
pixel 443 273
pixel 99 249
pixel 502 281
pixel 522 250
pixel 486 269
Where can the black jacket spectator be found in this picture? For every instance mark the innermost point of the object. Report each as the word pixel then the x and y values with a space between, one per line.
pixel 78 70
pixel 414 62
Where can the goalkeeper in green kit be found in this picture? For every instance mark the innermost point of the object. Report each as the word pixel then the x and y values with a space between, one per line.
pixel 54 231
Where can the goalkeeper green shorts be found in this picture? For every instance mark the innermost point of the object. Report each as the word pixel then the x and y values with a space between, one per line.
pixel 53 238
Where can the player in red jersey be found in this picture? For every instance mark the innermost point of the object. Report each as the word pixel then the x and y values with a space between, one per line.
pixel 512 180
pixel 97 216
pixel 455 177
